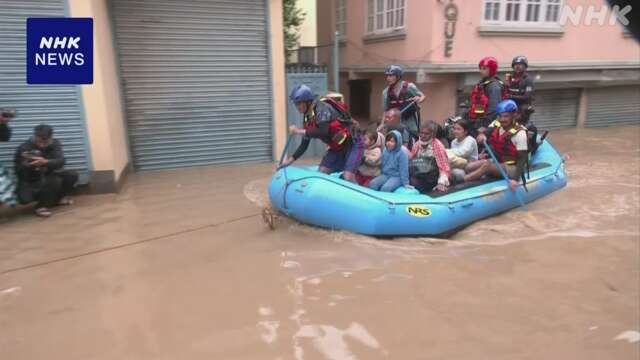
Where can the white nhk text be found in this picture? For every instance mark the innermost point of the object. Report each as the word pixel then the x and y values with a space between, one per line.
pixel 47 58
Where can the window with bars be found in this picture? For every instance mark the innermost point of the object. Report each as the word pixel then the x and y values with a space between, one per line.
pixel 341 17
pixel 492 10
pixel 553 11
pixel 513 11
pixel 525 13
pixel 385 15
pixel 533 10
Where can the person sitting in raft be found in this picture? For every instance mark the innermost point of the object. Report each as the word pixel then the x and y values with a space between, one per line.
pixel 395 166
pixel 328 120
pixel 372 159
pixel 508 140
pixel 464 149
pixel 429 165
pixel 391 120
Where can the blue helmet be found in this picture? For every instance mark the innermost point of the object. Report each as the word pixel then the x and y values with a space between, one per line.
pixel 301 93
pixel 506 106
pixel 394 70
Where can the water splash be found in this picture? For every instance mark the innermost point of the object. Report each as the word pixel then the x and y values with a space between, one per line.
pixel 629 335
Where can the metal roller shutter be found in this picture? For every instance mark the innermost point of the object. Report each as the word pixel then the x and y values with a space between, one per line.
pixel 58 106
pixel 196 81
pixel 556 109
pixel 618 105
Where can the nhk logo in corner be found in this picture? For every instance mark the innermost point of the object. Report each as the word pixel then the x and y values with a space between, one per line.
pixel 60 51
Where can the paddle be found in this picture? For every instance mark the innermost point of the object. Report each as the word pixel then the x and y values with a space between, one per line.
pixel 503 173
pixel 284 152
pixel 407 107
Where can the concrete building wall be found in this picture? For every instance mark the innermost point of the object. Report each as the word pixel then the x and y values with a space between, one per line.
pixel 278 78
pixel 569 56
pixel 582 43
pixel 325 21
pixel 363 49
pixel 424 39
pixel 102 100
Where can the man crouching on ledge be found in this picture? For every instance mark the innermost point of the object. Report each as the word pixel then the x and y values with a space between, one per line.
pixel 39 166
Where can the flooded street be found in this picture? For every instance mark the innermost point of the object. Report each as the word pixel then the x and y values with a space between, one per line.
pixel 180 266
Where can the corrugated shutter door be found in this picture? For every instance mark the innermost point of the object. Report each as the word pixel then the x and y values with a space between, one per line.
pixel 57 106
pixel 556 109
pixel 196 81
pixel 618 105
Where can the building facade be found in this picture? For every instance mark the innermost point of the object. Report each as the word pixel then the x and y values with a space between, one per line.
pixel 587 68
pixel 176 83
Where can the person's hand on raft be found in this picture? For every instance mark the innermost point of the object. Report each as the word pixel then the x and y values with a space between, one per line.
pixel 294 130
pixel 443 183
pixel 513 185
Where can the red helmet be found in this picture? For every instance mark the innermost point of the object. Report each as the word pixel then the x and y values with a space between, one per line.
pixel 491 63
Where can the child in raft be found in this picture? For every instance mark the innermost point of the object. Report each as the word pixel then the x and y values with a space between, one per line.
pixel 395 165
pixel 372 159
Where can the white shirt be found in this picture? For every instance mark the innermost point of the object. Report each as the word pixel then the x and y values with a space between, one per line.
pixel 467 148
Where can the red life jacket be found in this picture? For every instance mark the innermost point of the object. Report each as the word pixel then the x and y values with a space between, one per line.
pixel 505 150
pixel 479 99
pixel 339 126
pixel 515 85
pixel 401 100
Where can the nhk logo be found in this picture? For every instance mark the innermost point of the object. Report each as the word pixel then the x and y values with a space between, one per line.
pixel 60 51
pixel 55 58
pixel 418 211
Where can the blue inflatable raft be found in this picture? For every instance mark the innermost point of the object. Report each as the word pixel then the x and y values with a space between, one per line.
pixel 330 202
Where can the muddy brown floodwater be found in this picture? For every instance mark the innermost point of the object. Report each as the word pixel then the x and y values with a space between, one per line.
pixel 180 266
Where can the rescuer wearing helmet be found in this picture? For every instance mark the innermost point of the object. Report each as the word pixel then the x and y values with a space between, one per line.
pixel 327 119
pixel 508 139
pixel 399 94
pixel 486 95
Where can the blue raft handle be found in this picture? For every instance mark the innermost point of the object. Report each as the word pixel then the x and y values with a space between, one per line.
pixel 503 173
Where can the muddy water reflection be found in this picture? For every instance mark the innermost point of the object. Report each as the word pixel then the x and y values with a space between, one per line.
pixel 179 266
pixel 601 202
